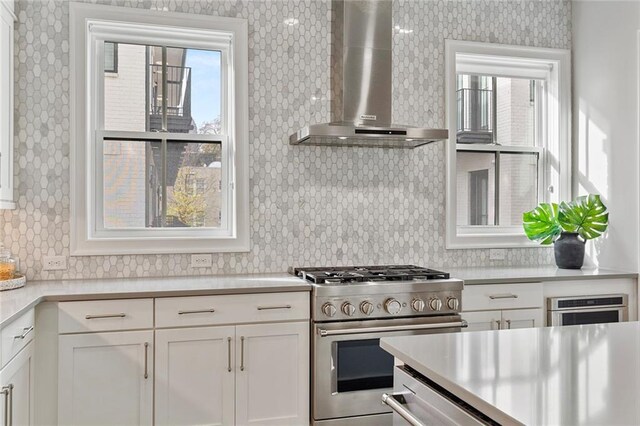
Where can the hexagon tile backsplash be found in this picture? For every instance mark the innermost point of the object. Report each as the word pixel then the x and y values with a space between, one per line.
pixel 309 205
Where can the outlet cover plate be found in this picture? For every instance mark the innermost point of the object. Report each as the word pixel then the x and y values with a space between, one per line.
pixel 201 261
pixel 54 263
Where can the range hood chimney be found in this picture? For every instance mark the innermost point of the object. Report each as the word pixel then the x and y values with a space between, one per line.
pixel 361 72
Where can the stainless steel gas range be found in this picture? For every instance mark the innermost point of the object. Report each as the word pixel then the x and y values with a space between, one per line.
pixel 352 308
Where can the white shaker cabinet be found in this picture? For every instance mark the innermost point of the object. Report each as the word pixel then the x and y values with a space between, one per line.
pixel 106 378
pixel 16 389
pixel 195 376
pixel 272 374
pixel 6 104
pixel 482 321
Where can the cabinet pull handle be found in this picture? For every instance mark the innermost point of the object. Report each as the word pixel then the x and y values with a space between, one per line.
pixel 267 308
pixel 199 311
pixel 24 333
pixel 499 324
pixel 146 360
pixel 229 354
pixel 242 353
pixel 508 324
pixel 503 296
pixel 120 315
pixel 7 392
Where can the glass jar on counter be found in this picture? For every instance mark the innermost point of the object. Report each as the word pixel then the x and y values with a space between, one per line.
pixel 7 264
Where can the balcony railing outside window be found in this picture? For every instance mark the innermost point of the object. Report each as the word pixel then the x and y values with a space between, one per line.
pixel 178 90
pixel 476 112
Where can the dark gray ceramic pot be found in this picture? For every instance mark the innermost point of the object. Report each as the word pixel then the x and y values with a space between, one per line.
pixel 569 251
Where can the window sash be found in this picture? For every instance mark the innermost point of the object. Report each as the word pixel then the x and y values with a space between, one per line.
pixel 99 32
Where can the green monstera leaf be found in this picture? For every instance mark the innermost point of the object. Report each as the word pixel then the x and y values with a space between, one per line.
pixel 541 224
pixel 586 215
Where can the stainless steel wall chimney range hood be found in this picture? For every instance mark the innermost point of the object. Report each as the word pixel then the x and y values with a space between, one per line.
pixel 361 59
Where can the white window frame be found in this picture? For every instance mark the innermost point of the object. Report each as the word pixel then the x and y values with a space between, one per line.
pixel 554 164
pixel 90 26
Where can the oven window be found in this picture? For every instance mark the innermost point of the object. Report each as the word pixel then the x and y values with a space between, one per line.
pixel 363 365
pixel 596 317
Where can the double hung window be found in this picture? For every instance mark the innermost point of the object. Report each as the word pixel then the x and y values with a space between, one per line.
pixel 509 139
pixel 160 149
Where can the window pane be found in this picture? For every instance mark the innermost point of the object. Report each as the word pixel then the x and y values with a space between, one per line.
pixel 518 186
pixel 135 97
pixel 515 111
pixel 132 184
pixel 125 93
pixel 475 97
pixel 194 195
pixel 475 188
pixel 206 83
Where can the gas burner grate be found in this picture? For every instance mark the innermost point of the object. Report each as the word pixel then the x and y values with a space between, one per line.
pixel 350 274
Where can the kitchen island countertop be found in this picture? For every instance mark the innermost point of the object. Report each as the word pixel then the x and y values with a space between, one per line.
pixel 15 302
pixel 578 375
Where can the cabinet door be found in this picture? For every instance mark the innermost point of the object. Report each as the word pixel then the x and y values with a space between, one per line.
pixel 195 376
pixel 522 318
pixel 106 378
pixel 6 109
pixel 484 320
pixel 16 383
pixel 272 374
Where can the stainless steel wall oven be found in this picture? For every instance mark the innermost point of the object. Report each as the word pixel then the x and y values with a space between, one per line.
pixel 577 310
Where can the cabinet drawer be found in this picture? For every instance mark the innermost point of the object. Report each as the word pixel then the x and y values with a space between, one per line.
pixel 105 315
pixel 16 335
pixel 502 296
pixel 228 309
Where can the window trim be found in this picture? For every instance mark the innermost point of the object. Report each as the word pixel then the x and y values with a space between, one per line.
pixel 92 22
pixel 552 65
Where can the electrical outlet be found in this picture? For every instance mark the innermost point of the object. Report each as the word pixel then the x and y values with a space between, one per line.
pixel 201 261
pixel 54 263
pixel 496 254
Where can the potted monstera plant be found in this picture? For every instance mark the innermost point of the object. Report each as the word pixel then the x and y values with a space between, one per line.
pixel 568 226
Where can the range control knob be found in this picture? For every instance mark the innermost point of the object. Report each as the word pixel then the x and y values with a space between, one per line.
pixel 328 309
pixel 366 308
pixel 418 305
pixel 392 306
pixel 453 303
pixel 435 304
pixel 348 309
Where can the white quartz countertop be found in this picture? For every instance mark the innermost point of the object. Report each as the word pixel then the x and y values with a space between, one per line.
pixel 578 375
pixel 14 302
pixel 515 274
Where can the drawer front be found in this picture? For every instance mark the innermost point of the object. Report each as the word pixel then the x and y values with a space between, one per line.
pixel 502 296
pixel 105 315
pixel 16 335
pixel 231 309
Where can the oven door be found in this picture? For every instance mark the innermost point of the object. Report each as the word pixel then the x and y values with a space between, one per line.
pixel 588 316
pixel 351 371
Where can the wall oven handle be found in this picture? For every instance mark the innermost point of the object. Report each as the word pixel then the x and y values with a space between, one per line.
pixel 323 332
pixel 395 402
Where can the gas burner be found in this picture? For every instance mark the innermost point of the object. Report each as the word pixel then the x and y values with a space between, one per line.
pixel 354 274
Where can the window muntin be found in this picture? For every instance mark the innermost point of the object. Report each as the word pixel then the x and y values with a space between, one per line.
pixel 94 137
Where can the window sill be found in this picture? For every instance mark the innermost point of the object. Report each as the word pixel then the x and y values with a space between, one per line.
pixel 484 241
pixel 128 246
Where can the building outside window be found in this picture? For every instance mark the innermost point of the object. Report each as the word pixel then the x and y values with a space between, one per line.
pixel 509 139
pixel 165 141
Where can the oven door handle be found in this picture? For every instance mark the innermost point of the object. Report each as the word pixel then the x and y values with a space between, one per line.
pixel 324 332
pixel 395 402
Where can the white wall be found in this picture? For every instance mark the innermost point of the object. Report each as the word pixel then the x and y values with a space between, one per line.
pixel 605 121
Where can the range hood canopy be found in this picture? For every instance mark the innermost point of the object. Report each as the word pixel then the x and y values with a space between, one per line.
pixel 361 72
